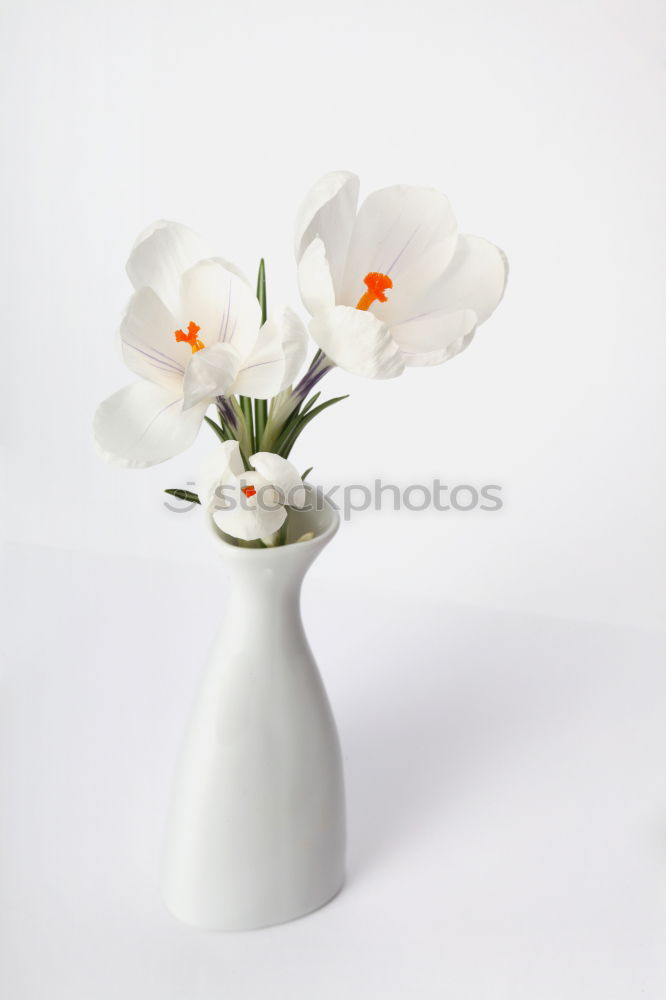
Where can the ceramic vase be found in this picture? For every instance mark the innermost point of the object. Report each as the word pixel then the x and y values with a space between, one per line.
pixel 256 827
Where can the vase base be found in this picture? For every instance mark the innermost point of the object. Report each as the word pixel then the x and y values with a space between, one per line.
pixel 230 926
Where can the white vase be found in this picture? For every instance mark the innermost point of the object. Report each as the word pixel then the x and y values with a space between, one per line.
pixel 256 830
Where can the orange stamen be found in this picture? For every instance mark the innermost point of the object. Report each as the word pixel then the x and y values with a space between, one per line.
pixel 377 284
pixel 249 491
pixel 190 337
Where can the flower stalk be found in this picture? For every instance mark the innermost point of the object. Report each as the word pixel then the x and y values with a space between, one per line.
pixel 260 405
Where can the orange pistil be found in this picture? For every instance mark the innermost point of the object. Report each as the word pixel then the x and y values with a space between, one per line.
pixel 190 337
pixel 249 491
pixel 377 285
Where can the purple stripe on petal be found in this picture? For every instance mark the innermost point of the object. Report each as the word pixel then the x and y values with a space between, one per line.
pixel 166 365
pixel 167 358
pixel 223 335
pixel 158 415
pixel 258 364
pixel 388 271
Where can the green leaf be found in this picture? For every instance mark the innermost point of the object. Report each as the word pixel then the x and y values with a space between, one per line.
pixel 246 460
pixel 220 431
pixel 241 433
pixel 261 290
pixel 310 403
pixel 307 472
pixel 287 427
pixel 184 495
pixel 290 440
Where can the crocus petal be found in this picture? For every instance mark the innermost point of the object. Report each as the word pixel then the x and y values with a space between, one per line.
pixel 283 475
pixel 222 305
pixel 435 337
pixel 394 230
pixel 222 465
pixel 358 342
pixel 144 424
pixel 328 211
pixel 277 357
pixel 475 279
pixel 314 279
pixel 210 373
pixel 161 254
pixel 229 265
pixel 249 522
pixel 147 340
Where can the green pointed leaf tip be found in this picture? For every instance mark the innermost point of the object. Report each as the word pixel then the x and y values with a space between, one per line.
pixel 310 403
pixel 184 495
pixel 261 289
pixel 216 427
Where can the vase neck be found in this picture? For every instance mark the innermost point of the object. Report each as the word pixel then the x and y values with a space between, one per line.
pixel 251 582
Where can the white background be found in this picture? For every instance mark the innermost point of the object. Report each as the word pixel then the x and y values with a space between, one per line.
pixel 543 122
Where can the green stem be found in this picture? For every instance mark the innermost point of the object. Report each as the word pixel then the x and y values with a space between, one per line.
pixel 260 418
pixel 246 409
pixel 260 405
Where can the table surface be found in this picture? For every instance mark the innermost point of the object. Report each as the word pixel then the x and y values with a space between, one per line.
pixel 507 812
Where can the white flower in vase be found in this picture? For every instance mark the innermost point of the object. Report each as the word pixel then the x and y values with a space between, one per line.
pixel 394 284
pixel 249 504
pixel 192 332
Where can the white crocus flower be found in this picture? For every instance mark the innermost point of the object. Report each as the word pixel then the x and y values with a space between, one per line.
pixel 192 331
pixel 249 504
pixel 394 284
